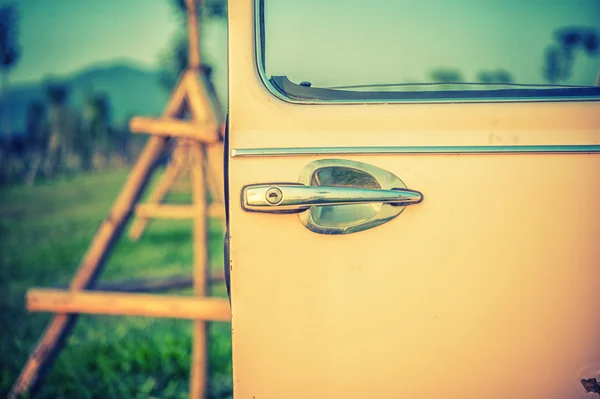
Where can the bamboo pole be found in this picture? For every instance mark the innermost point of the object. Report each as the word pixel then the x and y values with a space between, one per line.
pixel 112 225
pixel 177 100
pixel 201 84
pixel 53 338
pixel 198 100
pixel 154 211
pixel 193 36
pixel 61 325
pixel 128 304
pixel 217 210
pixel 152 285
pixel 205 107
pixel 181 186
pixel 168 178
pixel 171 127
pixel 177 212
pixel 199 369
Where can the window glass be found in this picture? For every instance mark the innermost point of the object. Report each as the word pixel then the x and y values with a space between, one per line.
pixel 356 49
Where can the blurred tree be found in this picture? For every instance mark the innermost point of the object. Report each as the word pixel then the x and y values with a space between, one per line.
pixel 125 140
pixel 36 130
pixel 559 57
pixel 485 77
pixel 63 124
pixel 96 130
pixel 555 67
pixel 57 93
pixel 446 75
pixel 503 76
pixel 571 38
pixel 497 76
pixel 35 124
pixel 10 52
pixel 174 59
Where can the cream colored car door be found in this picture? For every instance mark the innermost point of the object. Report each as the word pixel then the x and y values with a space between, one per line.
pixel 391 248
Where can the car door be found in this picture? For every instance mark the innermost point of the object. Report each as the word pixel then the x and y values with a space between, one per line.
pixel 440 239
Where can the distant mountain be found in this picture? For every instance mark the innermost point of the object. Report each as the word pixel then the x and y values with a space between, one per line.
pixel 131 89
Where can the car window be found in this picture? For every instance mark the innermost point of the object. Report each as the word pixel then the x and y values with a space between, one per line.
pixel 430 49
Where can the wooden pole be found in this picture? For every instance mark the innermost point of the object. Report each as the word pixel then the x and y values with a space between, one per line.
pixel 193 36
pixel 177 212
pixel 128 304
pixel 199 369
pixel 113 224
pixel 152 285
pixel 56 332
pixel 217 211
pixel 199 101
pixel 171 127
pixel 204 88
pixel 206 105
pixel 59 328
pixel 167 179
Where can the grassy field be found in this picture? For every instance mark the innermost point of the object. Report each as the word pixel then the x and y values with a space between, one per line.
pixel 44 232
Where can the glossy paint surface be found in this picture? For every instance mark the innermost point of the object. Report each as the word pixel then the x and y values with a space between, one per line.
pixel 488 288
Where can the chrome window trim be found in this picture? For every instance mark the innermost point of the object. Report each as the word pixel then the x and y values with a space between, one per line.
pixel 259 50
pixel 430 150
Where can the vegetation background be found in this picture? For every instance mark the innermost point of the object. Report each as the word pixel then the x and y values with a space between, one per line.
pixel 48 220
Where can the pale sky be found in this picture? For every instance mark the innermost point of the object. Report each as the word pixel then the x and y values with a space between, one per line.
pixel 63 36
pixel 347 42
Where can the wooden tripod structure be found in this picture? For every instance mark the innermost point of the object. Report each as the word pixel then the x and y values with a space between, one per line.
pixel 196 147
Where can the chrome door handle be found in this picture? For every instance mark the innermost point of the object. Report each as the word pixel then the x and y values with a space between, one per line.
pixel 334 196
pixel 293 197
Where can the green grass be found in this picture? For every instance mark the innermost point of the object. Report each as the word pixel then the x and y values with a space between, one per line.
pixel 44 232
